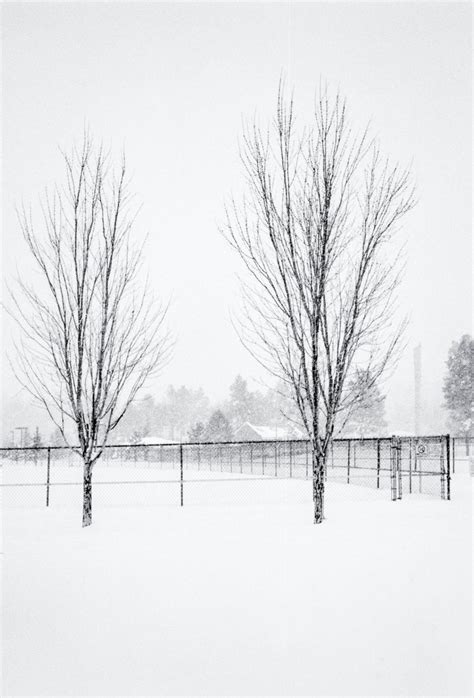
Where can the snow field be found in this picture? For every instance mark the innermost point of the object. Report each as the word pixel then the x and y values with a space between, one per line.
pixel 255 600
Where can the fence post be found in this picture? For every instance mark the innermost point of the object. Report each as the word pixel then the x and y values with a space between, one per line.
pixel 442 466
pixel 393 468
pixel 409 465
pixel 378 464
pixel 291 458
pixel 181 471
pixel 448 467
pixel 251 458
pixel 454 454
pixel 307 444
pixel 399 467
pixel 240 457
pixel 348 460
pixel 48 475
pixel 263 459
pixel 420 472
pixel 276 459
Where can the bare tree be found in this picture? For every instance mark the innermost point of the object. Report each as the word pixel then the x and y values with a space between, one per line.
pixel 91 333
pixel 316 235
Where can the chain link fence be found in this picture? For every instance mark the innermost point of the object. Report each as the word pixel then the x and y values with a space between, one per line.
pixel 462 448
pixel 225 473
pixel 404 465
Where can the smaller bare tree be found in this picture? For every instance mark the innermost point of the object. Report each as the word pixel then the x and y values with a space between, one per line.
pixel 316 234
pixel 91 334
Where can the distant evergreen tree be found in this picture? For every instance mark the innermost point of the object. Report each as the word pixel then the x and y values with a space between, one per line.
pixel 458 386
pixel 27 438
pixel 218 428
pixel 254 406
pixel 283 405
pixel 240 403
pixel 366 417
pixel 37 441
pixel 136 437
pixel 196 433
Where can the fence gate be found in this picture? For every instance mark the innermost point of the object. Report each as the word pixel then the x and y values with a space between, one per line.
pixel 420 465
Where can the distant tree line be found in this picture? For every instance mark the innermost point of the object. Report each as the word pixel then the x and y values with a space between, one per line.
pixel 188 414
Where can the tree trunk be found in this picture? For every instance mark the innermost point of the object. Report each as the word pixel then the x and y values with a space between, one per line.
pixel 87 495
pixel 318 485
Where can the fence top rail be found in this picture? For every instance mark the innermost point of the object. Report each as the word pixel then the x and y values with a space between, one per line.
pixel 176 445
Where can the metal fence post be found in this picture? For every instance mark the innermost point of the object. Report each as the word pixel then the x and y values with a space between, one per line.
pixel 251 458
pixel 419 462
pixel 181 472
pixel 378 464
pixel 48 476
pixel 399 468
pixel 393 469
pixel 291 458
pixel 409 464
pixel 240 457
pixel 276 459
pixel 348 460
pixel 442 467
pixel 454 454
pixel 263 459
pixel 448 468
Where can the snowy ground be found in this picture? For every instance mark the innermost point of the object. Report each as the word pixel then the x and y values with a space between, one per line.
pixel 237 593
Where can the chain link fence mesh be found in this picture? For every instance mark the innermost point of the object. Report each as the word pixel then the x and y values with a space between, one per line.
pixel 224 474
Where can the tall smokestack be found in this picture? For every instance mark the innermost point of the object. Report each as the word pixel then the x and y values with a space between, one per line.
pixel 417 366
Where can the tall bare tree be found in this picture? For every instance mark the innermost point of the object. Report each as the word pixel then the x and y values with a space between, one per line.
pixel 91 333
pixel 316 234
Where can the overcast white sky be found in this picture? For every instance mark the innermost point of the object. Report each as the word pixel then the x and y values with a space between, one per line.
pixel 171 83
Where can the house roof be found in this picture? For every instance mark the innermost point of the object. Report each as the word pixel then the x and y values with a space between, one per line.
pixel 155 440
pixel 270 433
